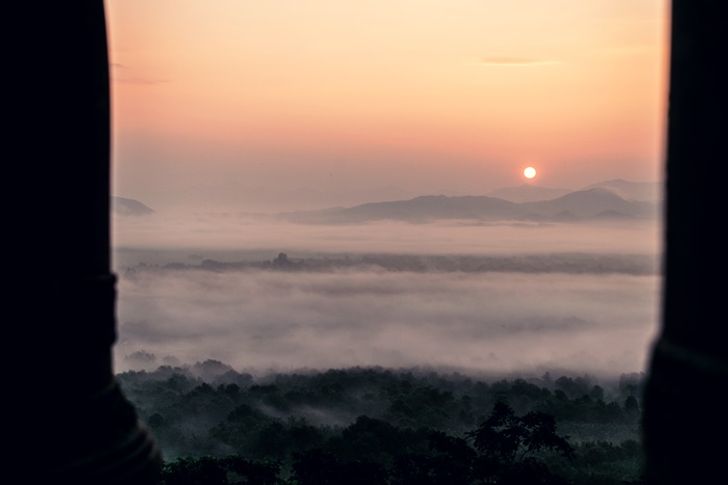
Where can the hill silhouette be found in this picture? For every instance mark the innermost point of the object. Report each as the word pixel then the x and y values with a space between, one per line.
pixel 581 205
pixel 123 206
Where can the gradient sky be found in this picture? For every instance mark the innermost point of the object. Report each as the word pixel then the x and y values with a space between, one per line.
pixel 279 104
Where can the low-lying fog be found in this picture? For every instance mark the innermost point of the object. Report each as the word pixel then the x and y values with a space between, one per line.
pixel 599 318
pixel 230 232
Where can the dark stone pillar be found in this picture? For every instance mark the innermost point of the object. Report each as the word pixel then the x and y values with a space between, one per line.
pixel 68 420
pixel 686 401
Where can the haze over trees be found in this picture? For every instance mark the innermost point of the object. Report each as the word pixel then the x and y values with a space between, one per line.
pixel 387 426
pixel 485 292
pixel 325 180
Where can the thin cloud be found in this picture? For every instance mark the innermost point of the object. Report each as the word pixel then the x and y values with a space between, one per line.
pixel 516 61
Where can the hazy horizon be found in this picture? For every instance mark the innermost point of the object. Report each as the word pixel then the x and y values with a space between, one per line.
pixel 278 106
pixel 227 112
pixel 584 315
pixel 317 201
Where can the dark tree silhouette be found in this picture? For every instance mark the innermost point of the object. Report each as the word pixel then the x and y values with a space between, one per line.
pixel 540 434
pixel 189 471
pixel 219 471
pixel 411 429
pixel 508 445
pixel 632 407
pixel 319 467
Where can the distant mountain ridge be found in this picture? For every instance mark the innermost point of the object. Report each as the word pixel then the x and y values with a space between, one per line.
pixel 637 191
pixel 123 206
pixel 528 193
pixel 580 205
pixel 590 203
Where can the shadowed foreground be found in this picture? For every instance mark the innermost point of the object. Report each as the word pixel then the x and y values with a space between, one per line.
pixel 218 426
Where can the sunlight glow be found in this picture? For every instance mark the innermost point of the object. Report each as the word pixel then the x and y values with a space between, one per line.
pixel 529 172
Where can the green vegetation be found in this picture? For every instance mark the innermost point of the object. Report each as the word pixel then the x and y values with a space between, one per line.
pixel 372 426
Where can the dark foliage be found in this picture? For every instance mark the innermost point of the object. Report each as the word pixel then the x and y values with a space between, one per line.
pixel 394 428
pixel 220 471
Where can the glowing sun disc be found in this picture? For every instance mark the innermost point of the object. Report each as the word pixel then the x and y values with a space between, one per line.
pixel 529 172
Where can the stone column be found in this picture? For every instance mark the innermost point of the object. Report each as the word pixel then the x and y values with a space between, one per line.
pixel 686 401
pixel 68 421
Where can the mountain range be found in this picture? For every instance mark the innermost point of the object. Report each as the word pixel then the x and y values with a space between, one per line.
pixel 634 191
pixel 614 199
pixel 611 199
pixel 639 191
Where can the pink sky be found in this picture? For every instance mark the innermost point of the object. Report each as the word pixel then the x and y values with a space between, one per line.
pixel 285 104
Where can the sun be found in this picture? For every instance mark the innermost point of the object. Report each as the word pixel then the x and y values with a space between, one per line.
pixel 529 172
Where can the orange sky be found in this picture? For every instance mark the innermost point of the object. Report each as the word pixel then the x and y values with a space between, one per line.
pixel 290 103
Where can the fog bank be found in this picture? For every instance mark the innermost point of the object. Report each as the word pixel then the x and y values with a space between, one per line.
pixel 200 232
pixel 496 322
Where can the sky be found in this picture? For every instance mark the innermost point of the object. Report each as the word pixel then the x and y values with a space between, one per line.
pixel 275 105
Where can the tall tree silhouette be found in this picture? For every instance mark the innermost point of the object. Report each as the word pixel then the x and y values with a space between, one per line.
pixel 507 446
